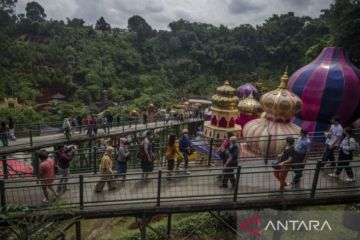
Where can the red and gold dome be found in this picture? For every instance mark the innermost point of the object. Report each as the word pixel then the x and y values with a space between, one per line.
pixel 280 104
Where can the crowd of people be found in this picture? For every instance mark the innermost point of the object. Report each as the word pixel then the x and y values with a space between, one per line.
pixel 118 154
pixel 295 153
pixel 293 157
pixel 92 123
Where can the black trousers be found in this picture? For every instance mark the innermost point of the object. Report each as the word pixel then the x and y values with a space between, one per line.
pixel 328 155
pixel 344 163
pixel 228 174
pixel 298 166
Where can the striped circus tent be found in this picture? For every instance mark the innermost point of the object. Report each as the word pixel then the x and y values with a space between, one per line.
pixel 328 86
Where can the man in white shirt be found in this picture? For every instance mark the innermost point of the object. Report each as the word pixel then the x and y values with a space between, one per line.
pixel 333 138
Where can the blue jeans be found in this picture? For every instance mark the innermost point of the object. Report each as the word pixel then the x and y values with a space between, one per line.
pixel 4 139
pixel 186 160
pixel 121 169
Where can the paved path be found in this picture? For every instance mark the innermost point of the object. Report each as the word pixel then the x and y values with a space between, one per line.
pixel 201 187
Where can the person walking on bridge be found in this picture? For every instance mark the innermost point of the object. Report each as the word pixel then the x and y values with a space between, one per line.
pixel 223 150
pixel 105 170
pixel 146 156
pixel 11 128
pixel 4 134
pixel 171 153
pixel 347 146
pixel 64 157
pixel 185 147
pixel 230 164
pixel 47 174
pixel 122 154
pixel 282 165
pixel 302 148
pixel 333 138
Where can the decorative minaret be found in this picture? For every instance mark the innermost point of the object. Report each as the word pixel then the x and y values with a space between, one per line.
pixel 280 106
pixel 224 113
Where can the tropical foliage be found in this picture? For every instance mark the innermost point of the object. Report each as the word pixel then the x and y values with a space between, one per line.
pixel 140 65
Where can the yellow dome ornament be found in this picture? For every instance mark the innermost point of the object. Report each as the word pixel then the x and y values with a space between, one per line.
pixel 249 105
pixel 280 104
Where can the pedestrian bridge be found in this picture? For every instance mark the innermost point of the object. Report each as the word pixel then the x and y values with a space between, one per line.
pixel 256 187
pixel 29 139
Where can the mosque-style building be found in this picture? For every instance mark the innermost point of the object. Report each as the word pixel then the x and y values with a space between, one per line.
pixel 224 113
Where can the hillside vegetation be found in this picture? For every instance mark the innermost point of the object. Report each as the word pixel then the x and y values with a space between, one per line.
pixel 40 57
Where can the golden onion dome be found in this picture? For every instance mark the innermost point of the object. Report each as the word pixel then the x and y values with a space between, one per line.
pixel 281 104
pixel 225 98
pixel 249 105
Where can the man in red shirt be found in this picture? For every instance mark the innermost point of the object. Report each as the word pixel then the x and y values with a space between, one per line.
pixel 46 172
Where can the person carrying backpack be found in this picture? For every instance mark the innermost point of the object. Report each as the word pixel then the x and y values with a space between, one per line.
pixel 347 146
pixel 64 157
pixel 171 153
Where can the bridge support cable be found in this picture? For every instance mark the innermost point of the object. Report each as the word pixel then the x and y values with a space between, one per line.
pixel 197 227
pixel 220 219
pixel 316 178
pixel 162 235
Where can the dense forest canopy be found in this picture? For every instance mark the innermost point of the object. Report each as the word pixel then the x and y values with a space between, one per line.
pixel 141 65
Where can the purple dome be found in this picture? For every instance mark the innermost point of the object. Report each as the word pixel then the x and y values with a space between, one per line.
pixel 328 86
pixel 244 91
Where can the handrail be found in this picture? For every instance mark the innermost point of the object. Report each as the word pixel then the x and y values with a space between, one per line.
pixel 197 186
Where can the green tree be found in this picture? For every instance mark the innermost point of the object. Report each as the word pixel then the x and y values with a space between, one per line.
pixel 35 11
pixel 102 25
pixel 344 19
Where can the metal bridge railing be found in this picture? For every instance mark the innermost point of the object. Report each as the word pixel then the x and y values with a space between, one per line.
pixel 251 183
pixel 29 135
pixel 87 159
